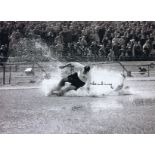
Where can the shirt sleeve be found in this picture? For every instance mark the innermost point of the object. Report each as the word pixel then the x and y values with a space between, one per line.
pixel 77 66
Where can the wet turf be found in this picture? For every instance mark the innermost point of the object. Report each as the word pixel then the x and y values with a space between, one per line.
pixel 29 111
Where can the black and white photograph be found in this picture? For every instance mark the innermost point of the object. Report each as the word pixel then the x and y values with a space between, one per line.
pixel 77 77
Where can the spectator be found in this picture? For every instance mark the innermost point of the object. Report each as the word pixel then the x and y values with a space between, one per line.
pixel 102 51
pixel 146 48
pixel 101 32
pixel 116 51
pixel 137 49
pixel 83 41
pixel 121 40
pixel 115 41
pixel 122 57
pixel 95 49
pixel 88 53
pixel 3 53
pixel 122 50
pixel 81 37
pixel 59 49
pixel 78 49
pixel 129 49
pixel 58 39
pixel 66 36
pixel 111 55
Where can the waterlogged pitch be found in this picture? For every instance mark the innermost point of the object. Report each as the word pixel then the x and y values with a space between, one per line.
pixel 30 111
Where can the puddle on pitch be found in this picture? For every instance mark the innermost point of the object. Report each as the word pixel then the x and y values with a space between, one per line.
pixel 143 102
pixel 101 105
pixel 77 108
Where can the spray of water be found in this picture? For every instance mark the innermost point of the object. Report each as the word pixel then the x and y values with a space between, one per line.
pixel 47 85
pixel 104 82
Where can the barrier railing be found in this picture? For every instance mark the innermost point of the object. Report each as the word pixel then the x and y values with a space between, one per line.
pixel 15 71
pixel 145 69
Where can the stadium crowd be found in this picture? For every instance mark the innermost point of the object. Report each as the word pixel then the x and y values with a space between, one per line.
pixel 107 40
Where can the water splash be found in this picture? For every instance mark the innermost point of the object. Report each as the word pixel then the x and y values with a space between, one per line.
pixel 49 84
pixel 102 79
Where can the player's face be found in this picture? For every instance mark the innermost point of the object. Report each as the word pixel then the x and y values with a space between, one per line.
pixel 86 70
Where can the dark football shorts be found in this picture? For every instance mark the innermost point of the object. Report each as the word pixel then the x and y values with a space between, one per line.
pixel 75 81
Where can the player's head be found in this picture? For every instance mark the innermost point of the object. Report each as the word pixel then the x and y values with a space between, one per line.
pixel 86 69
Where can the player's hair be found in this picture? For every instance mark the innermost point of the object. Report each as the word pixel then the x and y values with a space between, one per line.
pixel 86 69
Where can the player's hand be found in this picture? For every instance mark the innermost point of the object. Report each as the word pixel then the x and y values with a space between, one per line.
pixel 61 67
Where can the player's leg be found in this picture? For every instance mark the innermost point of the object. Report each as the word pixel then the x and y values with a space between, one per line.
pixel 67 89
pixel 61 84
pixel 58 87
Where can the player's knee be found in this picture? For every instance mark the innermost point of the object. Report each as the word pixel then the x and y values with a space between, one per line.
pixel 62 82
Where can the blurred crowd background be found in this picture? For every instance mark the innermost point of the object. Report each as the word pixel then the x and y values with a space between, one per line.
pixel 82 40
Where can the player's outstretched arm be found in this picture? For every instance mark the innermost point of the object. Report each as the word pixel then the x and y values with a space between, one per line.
pixel 68 65
pixel 73 64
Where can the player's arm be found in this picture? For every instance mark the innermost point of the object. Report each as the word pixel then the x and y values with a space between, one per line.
pixel 68 65
pixel 88 86
pixel 88 83
pixel 73 64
